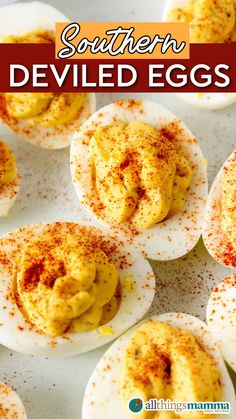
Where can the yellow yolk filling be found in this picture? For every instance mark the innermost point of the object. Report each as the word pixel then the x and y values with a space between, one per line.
pixel 43 109
pixel 211 21
pixel 64 285
pixel 228 205
pixel 163 362
pixel 7 165
pixel 138 173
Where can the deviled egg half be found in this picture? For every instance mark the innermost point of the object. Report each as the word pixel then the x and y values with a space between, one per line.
pixel 221 318
pixel 210 22
pixel 11 406
pixel 44 119
pixel 171 357
pixel 68 288
pixel 219 232
pixel 9 179
pixel 140 171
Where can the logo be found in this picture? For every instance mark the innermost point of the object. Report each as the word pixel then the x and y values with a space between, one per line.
pixel 136 405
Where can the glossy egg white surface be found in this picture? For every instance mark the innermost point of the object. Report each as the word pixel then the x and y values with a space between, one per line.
pixel 169 239
pixel 216 242
pixel 208 101
pixel 15 18
pixel 11 406
pixel 19 335
pixel 22 18
pixel 102 395
pixel 221 318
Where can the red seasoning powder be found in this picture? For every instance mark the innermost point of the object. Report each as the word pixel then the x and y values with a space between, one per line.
pixel 89 239
pixel 138 173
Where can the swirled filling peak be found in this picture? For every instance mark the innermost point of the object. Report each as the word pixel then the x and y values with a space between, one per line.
pixel 65 284
pixel 211 21
pixel 163 362
pixel 138 173
pixel 43 109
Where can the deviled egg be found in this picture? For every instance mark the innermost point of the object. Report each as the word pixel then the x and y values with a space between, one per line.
pixel 68 288
pixel 208 101
pixel 140 171
pixel 11 406
pixel 9 179
pixel 219 232
pixel 45 119
pixel 171 357
pixel 221 318
pixel 210 22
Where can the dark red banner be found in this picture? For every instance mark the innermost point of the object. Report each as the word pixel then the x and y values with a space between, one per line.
pixel 33 67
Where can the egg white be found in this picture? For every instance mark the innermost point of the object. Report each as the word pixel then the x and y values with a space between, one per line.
pixel 8 195
pixel 216 242
pixel 168 239
pixel 208 101
pixel 19 335
pixel 172 4
pixel 220 309
pixel 11 402
pixel 102 396
pixel 19 19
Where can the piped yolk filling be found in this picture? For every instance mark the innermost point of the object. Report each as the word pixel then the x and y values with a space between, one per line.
pixel 138 174
pixel 211 21
pixel 7 165
pixel 63 284
pixel 228 204
pixel 43 109
pixel 163 362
